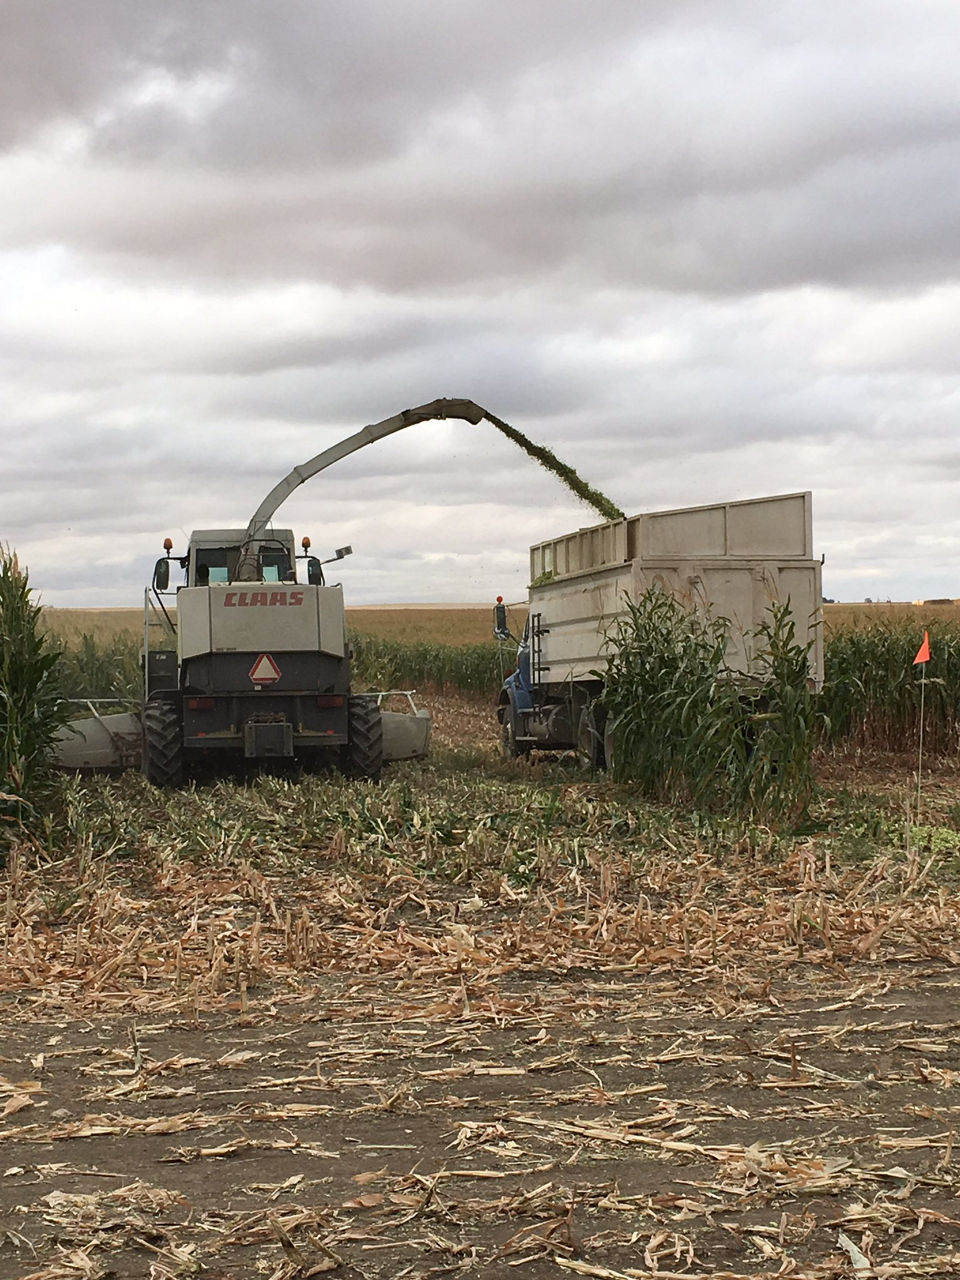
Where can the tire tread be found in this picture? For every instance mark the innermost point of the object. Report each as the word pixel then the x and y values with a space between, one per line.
pixel 162 743
pixel 363 755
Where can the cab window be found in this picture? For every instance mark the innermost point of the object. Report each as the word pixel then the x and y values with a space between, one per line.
pixel 274 564
pixel 213 564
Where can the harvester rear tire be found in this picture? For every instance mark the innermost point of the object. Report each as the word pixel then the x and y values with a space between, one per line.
pixel 363 754
pixel 162 743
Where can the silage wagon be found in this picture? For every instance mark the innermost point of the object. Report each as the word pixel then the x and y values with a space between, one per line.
pixel 728 560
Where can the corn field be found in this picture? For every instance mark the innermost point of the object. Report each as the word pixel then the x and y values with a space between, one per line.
pixel 870 700
pixel 470 668
pixel 872 690
pixel 31 706
pixel 689 733
pixel 108 668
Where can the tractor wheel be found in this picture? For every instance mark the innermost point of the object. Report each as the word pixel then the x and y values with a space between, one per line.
pixel 162 743
pixel 510 749
pixel 590 738
pixel 363 754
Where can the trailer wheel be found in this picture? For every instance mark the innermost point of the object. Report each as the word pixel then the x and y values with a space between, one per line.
pixel 510 748
pixel 590 737
pixel 162 743
pixel 363 754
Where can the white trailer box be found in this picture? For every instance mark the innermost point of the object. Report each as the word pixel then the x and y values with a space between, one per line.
pixel 731 560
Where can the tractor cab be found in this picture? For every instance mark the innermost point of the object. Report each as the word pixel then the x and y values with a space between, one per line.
pixel 219 556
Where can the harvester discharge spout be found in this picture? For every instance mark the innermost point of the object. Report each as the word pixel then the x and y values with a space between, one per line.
pixel 257 527
pixel 466 410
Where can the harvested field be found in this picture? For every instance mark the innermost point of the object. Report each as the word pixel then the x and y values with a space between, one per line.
pixel 484 1020
pixel 435 624
pixel 102 624
pixel 458 624
pixel 840 617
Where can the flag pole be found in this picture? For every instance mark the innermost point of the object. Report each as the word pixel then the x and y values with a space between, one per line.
pixel 922 658
pixel 923 689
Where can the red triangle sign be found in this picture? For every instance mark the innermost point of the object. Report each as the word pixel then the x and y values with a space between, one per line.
pixel 264 670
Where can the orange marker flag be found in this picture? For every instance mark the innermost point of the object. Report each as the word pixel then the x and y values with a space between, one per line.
pixel 923 653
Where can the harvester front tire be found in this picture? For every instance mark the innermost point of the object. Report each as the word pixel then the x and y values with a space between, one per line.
pixel 162 744
pixel 363 755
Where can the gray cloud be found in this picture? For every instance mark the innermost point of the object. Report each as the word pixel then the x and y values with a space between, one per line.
pixel 701 250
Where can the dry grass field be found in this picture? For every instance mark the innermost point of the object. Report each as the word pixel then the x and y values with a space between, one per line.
pixel 453 624
pixel 439 624
pixel 840 616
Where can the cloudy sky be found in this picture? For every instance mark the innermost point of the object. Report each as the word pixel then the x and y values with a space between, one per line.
pixel 702 250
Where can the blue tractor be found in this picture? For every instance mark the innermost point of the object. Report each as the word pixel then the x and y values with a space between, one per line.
pixel 534 711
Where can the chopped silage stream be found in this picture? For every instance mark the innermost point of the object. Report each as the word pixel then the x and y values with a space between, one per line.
pixel 488 1020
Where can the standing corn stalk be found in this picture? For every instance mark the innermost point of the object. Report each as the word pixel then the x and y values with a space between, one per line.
pixel 690 731
pixel 31 706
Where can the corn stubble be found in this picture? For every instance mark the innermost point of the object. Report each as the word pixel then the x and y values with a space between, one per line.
pixel 531 973
pixel 253 884
pixel 528 981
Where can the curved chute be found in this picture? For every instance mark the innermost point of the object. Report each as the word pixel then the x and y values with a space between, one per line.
pixel 464 409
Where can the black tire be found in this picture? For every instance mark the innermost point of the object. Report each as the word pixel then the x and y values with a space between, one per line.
pixel 363 754
pixel 510 749
pixel 590 737
pixel 162 743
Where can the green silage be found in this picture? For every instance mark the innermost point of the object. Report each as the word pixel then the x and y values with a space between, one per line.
pixel 549 460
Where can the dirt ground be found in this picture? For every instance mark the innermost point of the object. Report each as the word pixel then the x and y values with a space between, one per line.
pixel 567 1083
pixel 590 1126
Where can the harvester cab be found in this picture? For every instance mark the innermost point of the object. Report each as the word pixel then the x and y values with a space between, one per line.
pixel 262 663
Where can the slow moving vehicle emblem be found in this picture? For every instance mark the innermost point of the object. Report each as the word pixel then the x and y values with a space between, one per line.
pixel 264 671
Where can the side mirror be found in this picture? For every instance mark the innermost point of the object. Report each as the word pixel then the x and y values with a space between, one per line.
pixel 339 554
pixel 161 575
pixel 314 572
